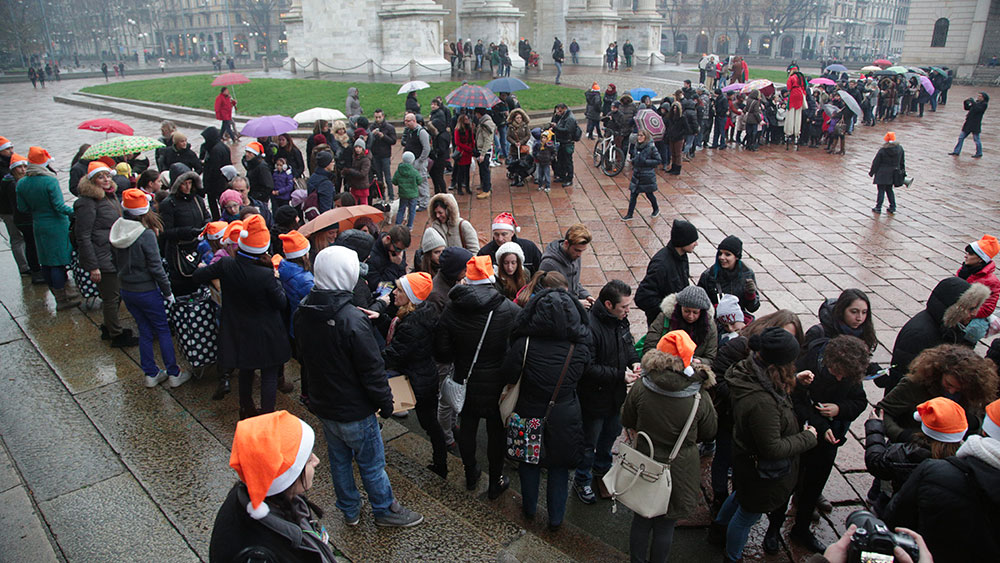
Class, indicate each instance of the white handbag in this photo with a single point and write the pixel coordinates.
(453, 392)
(640, 482)
(508, 399)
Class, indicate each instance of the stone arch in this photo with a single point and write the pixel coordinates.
(787, 47)
(764, 46)
(681, 43)
(701, 44)
(940, 36)
(722, 44)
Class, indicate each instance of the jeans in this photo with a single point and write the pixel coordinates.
(427, 409)
(479, 62)
(599, 434)
(544, 176)
(556, 490)
(151, 318)
(664, 149)
(719, 137)
(382, 168)
(575, 57)
(886, 190)
(504, 144)
(484, 173)
(961, 141)
(495, 445)
(662, 529)
(227, 126)
(268, 388)
(55, 276)
(424, 189)
(593, 125)
(689, 142)
(738, 522)
(406, 205)
(360, 441)
(721, 462)
(934, 101)
(558, 71)
(628, 61)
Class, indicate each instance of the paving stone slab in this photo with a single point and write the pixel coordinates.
(22, 534)
(8, 474)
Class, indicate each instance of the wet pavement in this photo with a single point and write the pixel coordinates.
(94, 467)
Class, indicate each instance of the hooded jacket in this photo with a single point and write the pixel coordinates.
(297, 283)
(217, 156)
(356, 175)
(666, 273)
(455, 231)
(593, 111)
(887, 160)
(411, 350)
(888, 461)
(936, 324)
(457, 336)
(555, 259)
(716, 281)
(186, 157)
(485, 131)
(602, 389)
(954, 503)
(352, 105)
(548, 325)
(96, 211)
(647, 158)
(39, 195)
(670, 318)
(565, 127)
(321, 181)
(259, 176)
(183, 215)
(764, 428)
(986, 276)
(519, 134)
(137, 257)
(659, 405)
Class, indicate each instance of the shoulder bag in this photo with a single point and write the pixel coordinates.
(453, 392)
(639, 481)
(525, 435)
(508, 399)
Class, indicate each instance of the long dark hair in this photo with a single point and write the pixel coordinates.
(541, 280)
(79, 153)
(510, 285)
(847, 297)
(464, 123)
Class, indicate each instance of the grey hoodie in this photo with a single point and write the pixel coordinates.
(353, 103)
(137, 257)
(554, 259)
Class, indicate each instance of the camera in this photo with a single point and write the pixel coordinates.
(873, 541)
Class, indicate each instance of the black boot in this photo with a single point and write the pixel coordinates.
(497, 488)
(805, 538)
(472, 478)
(124, 340)
(223, 389)
(772, 539)
(716, 534)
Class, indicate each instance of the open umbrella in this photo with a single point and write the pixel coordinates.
(652, 123)
(927, 84)
(871, 68)
(897, 69)
(638, 93)
(836, 68)
(105, 125)
(830, 109)
(344, 217)
(852, 104)
(120, 146)
(413, 86)
(507, 84)
(471, 96)
(319, 114)
(822, 82)
(733, 87)
(269, 126)
(885, 72)
(884, 63)
(917, 70)
(229, 79)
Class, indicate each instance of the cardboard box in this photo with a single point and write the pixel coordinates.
(402, 394)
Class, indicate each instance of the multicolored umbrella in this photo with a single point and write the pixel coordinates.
(413, 86)
(652, 123)
(836, 68)
(119, 146)
(269, 126)
(507, 84)
(822, 82)
(229, 79)
(883, 63)
(105, 125)
(927, 84)
(471, 96)
(343, 217)
(319, 114)
(757, 84)
(733, 87)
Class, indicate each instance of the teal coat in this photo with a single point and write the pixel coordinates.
(38, 193)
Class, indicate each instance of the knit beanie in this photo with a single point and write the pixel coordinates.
(336, 267)
(509, 248)
(986, 248)
(694, 297)
(991, 423)
(942, 419)
(452, 262)
(733, 244)
(230, 196)
(682, 233)
(431, 240)
(776, 346)
(728, 310)
(358, 241)
(408, 157)
(229, 171)
(323, 159)
(360, 143)
(417, 286)
(285, 215)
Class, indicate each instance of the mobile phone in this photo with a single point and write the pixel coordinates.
(384, 288)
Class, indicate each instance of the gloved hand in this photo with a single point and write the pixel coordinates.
(385, 411)
(976, 330)
(170, 299)
(750, 287)
(195, 232)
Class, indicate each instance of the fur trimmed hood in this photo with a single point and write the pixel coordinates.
(521, 112)
(195, 183)
(666, 374)
(87, 188)
(451, 205)
(669, 303)
(953, 297)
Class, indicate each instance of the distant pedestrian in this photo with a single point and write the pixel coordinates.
(558, 57)
(973, 123)
(224, 106)
(104, 69)
(647, 158)
(574, 52)
(888, 170)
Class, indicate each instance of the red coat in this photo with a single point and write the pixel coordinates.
(465, 144)
(224, 107)
(796, 91)
(988, 277)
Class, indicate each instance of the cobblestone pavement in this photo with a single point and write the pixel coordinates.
(79, 432)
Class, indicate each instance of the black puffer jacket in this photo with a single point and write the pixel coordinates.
(825, 388)
(411, 350)
(217, 155)
(457, 336)
(340, 350)
(937, 324)
(96, 211)
(259, 176)
(954, 503)
(887, 160)
(593, 111)
(667, 272)
(184, 216)
(732, 352)
(186, 157)
(888, 461)
(716, 280)
(552, 320)
(602, 390)
(647, 158)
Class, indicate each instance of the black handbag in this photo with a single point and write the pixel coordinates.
(898, 178)
(185, 262)
(455, 155)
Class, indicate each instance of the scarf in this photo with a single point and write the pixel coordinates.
(982, 448)
(966, 270)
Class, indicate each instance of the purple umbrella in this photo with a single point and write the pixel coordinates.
(269, 126)
(927, 84)
(733, 87)
(471, 96)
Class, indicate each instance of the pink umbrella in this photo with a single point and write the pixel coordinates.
(105, 125)
(927, 84)
(822, 82)
(229, 79)
(733, 87)
(652, 123)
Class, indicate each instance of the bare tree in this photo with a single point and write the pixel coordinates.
(784, 15)
(21, 29)
(260, 16)
(678, 13)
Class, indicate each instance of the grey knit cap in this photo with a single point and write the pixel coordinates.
(693, 297)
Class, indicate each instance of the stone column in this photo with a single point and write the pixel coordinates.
(493, 21)
(643, 28)
(412, 30)
(594, 27)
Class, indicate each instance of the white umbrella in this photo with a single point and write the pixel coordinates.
(413, 86)
(316, 114)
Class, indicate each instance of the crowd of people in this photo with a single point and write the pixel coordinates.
(770, 402)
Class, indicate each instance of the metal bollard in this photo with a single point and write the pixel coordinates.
(291, 64)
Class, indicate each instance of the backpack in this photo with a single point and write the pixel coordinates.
(310, 206)
(577, 133)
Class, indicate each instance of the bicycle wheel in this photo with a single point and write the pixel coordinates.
(614, 160)
(598, 152)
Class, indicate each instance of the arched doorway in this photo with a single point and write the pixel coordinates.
(722, 45)
(787, 46)
(701, 44)
(681, 43)
(765, 45)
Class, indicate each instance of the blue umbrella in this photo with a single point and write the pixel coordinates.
(638, 93)
(507, 84)
(269, 126)
(836, 68)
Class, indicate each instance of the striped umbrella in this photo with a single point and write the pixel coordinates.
(471, 96)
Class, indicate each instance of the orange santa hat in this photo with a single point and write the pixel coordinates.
(678, 343)
(255, 238)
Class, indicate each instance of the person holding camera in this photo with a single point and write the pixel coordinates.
(973, 123)
(888, 170)
(903, 546)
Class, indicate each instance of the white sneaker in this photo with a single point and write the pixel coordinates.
(179, 379)
(154, 381)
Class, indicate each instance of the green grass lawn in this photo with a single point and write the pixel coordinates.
(269, 96)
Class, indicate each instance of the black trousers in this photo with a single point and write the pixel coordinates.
(426, 409)
(495, 445)
(268, 388)
(563, 169)
(814, 470)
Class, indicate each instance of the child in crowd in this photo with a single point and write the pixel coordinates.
(230, 201)
(407, 179)
(211, 241)
(284, 183)
(544, 153)
(730, 318)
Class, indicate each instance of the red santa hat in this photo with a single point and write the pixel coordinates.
(505, 222)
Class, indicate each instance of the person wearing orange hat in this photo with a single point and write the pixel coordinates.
(593, 110)
(295, 271)
(478, 318)
(145, 286)
(409, 350)
(259, 176)
(888, 170)
(22, 243)
(252, 335)
(6, 151)
(39, 194)
(979, 267)
(660, 405)
(266, 510)
(211, 239)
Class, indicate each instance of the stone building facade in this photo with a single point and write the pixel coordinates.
(956, 33)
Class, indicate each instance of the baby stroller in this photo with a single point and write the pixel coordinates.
(521, 167)
(533, 59)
